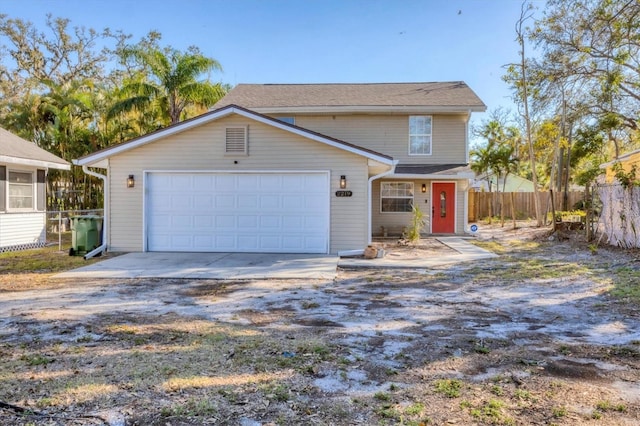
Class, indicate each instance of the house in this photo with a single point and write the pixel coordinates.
(514, 183)
(296, 168)
(23, 202)
(626, 162)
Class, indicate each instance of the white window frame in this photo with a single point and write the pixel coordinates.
(33, 186)
(396, 196)
(245, 151)
(427, 136)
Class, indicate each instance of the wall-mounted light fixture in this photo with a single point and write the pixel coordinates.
(424, 188)
(343, 182)
(131, 182)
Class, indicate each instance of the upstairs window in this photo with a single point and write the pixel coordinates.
(420, 135)
(396, 197)
(236, 140)
(288, 120)
(20, 190)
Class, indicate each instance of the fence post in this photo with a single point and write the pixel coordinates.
(59, 230)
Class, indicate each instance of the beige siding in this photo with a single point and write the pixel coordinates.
(389, 134)
(394, 223)
(202, 148)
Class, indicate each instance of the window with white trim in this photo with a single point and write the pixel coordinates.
(236, 140)
(396, 197)
(20, 190)
(420, 135)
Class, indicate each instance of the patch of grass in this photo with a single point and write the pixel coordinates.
(564, 350)
(523, 395)
(559, 412)
(481, 349)
(36, 359)
(276, 392)
(42, 260)
(626, 284)
(192, 407)
(388, 411)
(414, 409)
(492, 412)
(608, 406)
(310, 305)
(382, 396)
(497, 390)
(449, 387)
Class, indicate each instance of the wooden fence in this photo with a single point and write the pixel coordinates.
(480, 203)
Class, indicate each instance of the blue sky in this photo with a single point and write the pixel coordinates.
(319, 41)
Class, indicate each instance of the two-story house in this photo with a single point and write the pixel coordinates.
(293, 168)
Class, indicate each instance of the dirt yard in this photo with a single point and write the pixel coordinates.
(547, 333)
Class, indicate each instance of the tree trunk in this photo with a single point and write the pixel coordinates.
(527, 118)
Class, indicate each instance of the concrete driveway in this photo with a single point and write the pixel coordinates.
(261, 265)
(211, 266)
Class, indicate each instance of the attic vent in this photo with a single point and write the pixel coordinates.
(236, 141)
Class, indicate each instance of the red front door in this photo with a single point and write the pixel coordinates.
(443, 208)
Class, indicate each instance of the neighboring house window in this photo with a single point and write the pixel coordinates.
(396, 196)
(288, 120)
(236, 140)
(420, 135)
(20, 190)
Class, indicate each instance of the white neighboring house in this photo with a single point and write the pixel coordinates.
(23, 202)
(514, 183)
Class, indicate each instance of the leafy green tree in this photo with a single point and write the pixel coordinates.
(168, 81)
(497, 157)
(591, 48)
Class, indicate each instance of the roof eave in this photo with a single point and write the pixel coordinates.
(371, 109)
(35, 163)
(461, 175)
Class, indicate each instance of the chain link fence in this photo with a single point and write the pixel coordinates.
(59, 224)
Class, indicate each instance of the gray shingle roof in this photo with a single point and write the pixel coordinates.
(21, 150)
(429, 169)
(437, 94)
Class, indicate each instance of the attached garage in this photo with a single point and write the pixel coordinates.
(267, 212)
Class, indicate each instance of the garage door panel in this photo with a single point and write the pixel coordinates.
(181, 183)
(203, 221)
(294, 223)
(270, 222)
(203, 242)
(203, 202)
(225, 201)
(242, 212)
(271, 201)
(247, 201)
(270, 182)
(225, 183)
(247, 181)
(202, 182)
(245, 221)
(250, 242)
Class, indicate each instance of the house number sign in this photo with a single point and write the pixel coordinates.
(344, 193)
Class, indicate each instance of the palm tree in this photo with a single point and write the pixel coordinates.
(168, 82)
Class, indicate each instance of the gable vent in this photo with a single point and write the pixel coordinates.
(236, 140)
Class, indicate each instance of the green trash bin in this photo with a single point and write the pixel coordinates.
(86, 234)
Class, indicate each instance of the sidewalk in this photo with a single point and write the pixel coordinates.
(467, 252)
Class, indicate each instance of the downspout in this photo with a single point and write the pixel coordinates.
(370, 190)
(103, 247)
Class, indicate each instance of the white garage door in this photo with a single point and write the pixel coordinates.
(237, 212)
